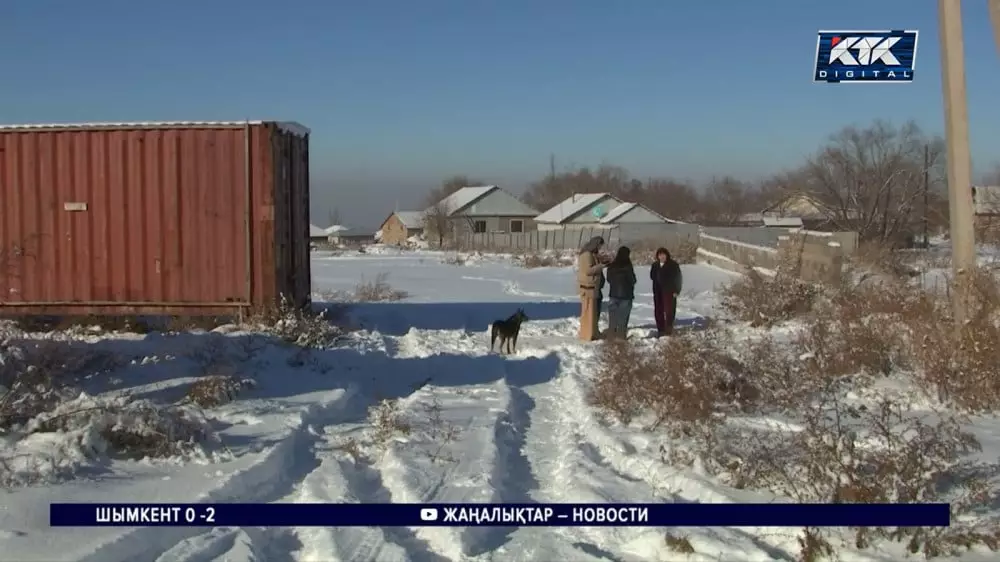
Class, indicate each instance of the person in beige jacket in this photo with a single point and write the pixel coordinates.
(589, 277)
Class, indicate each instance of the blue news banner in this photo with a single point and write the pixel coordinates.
(498, 515)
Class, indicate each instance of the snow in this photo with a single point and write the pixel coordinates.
(288, 126)
(335, 229)
(484, 428)
(411, 219)
(464, 197)
(571, 206)
(620, 211)
(316, 232)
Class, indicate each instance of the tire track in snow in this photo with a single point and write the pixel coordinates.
(563, 462)
(622, 459)
(341, 479)
(271, 478)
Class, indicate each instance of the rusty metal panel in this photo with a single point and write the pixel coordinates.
(302, 262)
(151, 218)
(122, 219)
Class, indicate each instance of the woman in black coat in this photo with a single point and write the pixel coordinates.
(667, 281)
(621, 278)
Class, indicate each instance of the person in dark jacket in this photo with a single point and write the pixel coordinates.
(621, 278)
(667, 281)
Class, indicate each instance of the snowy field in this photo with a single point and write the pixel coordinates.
(480, 428)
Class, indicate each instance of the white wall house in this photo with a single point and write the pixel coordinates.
(486, 208)
(580, 210)
(634, 213)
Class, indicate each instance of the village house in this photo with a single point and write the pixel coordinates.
(400, 226)
(479, 210)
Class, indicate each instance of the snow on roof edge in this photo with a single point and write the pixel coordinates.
(578, 202)
(288, 126)
(618, 212)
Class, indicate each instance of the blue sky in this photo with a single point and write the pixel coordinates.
(400, 94)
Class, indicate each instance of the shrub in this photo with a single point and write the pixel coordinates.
(378, 290)
(385, 420)
(38, 374)
(850, 453)
(547, 259)
(304, 327)
(644, 251)
(688, 378)
(962, 366)
(765, 301)
(216, 390)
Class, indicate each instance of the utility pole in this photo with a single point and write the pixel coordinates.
(959, 160)
(994, 7)
(927, 189)
(552, 166)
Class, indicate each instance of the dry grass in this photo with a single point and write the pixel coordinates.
(305, 328)
(455, 259)
(644, 251)
(765, 301)
(215, 390)
(545, 259)
(680, 545)
(963, 367)
(378, 290)
(859, 442)
(884, 259)
(686, 378)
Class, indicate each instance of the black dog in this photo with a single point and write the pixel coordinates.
(507, 330)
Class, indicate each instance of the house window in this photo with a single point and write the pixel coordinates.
(479, 227)
(516, 225)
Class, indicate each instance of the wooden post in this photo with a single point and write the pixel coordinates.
(959, 160)
(994, 7)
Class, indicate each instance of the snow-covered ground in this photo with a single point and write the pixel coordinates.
(482, 428)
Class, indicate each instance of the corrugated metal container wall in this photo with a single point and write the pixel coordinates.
(172, 218)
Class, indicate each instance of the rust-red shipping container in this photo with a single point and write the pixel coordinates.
(153, 218)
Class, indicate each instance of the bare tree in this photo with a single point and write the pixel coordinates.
(553, 189)
(671, 198)
(726, 200)
(449, 186)
(872, 180)
(333, 216)
(438, 222)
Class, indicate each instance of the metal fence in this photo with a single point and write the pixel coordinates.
(668, 235)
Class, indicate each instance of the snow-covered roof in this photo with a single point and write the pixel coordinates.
(572, 206)
(790, 222)
(287, 126)
(619, 211)
(464, 197)
(316, 232)
(335, 229)
(411, 219)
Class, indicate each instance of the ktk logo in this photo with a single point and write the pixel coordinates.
(870, 50)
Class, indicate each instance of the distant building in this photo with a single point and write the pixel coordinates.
(480, 210)
(400, 226)
(795, 211)
(580, 210)
(634, 213)
(317, 234)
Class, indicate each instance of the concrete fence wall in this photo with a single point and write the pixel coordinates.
(809, 255)
(668, 235)
(816, 257)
